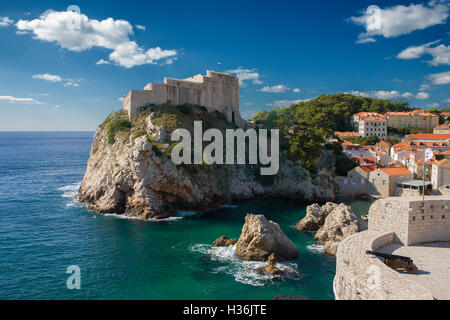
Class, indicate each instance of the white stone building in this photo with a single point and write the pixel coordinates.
(370, 126)
(440, 173)
(216, 92)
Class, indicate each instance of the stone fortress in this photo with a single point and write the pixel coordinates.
(406, 226)
(216, 91)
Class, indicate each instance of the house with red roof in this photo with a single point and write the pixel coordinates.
(428, 137)
(347, 135)
(384, 180)
(442, 129)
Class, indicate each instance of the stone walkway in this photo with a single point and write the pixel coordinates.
(433, 263)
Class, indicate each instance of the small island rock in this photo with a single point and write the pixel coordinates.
(223, 241)
(315, 216)
(270, 267)
(338, 225)
(260, 238)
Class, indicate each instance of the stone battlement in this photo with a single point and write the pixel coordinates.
(216, 91)
(405, 222)
(411, 221)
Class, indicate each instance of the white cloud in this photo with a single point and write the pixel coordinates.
(440, 54)
(5, 21)
(447, 101)
(48, 77)
(102, 61)
(72, 83)
(397, 80)
(55, 78)
(138, 26)
(56, 106)
(399, 20)
(433, 105)
(129, 54)
(249, 114)
(285, 103)
(248, 104)
(10, 99)
(381, 94)
(275, 89)
(424, 87)
(246, 75)
(297, 90)
(58, 27)
(423, 95)
(439, 78)
(120, 99)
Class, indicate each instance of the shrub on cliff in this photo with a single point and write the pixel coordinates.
(116, 126)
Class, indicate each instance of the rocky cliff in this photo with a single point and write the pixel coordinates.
(130, 171)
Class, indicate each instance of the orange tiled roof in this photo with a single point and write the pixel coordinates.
(428, 162)
(370, 168)
(404, 113)
(364, 160)
(383, 143)
(396, 171)
(347, 143)
(368, 114)
(445, 113)
(443, 126)
(396, 163)
(445, 163)
(428, 136)
(377, 119)
(347, 134)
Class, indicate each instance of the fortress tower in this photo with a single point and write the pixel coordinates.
(216, 91)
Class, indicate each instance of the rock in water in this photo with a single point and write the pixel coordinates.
(339, 224)
(223, 241)
(270, 267)
(315, 216)
(130, 170)
(260, 238)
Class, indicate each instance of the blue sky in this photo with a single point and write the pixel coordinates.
(60, 73)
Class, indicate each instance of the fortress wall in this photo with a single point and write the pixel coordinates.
(216, 92)
(411, 223)
(364, 277)
(431, 224)
(136, 99)
(387, 215)
(402, 220)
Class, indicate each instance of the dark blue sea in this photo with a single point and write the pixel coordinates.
(43, 230)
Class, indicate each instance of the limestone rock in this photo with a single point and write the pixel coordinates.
(142, 144)
(338, 225)
(133, 179)
(223, 241)
(270, 267)
(261, 238)
(315, 216)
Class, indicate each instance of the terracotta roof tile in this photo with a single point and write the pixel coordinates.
(428, 136)
(445, 163)
(396, 171)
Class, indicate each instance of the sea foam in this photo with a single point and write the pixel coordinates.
(244, 271)
(316, 248)
(70, 192)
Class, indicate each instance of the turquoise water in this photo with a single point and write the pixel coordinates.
(43, 231)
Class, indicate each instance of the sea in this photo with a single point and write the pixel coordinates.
(44, 231)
